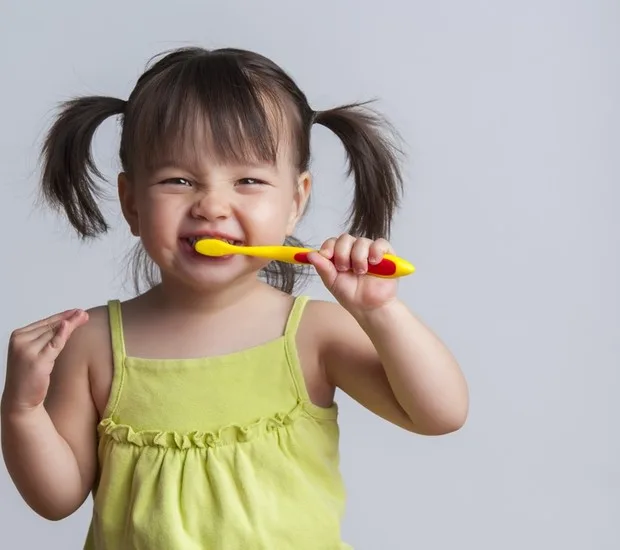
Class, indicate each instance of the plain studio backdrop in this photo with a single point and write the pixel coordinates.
(510, 114)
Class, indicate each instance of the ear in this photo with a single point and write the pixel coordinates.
(126, 195)
(300, 199)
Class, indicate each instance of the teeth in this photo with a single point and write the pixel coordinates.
(194, 240)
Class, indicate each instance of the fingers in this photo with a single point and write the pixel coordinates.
(54, 334)
(52, 340)
(378, 249)
(342, 252)
(324, 267)
(327, 248)
(39, 331)
(360, 255)
(44, 324)
(351, 253)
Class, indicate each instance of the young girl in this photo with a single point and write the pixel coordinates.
(200, 413)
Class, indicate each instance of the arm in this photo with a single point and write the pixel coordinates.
(50, 449)
(392, 364)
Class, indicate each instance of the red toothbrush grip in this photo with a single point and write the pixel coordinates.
(385, 267)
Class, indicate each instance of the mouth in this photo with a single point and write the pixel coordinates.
(193, 239)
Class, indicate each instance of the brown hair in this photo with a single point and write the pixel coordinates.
(236, 93)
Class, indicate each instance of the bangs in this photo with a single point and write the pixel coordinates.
(205, 105)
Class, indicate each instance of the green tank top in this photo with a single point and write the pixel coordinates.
(218, 453)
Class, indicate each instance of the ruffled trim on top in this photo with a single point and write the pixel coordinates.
(123, 433)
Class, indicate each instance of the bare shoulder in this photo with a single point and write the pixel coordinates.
(337, 341)
(334, 328)
(321, 315)
(313, 338)
(348, 360)
(317, 324)
(90, 346)
(98, 322)
(94, 331)
(89, 340)
(77, 353)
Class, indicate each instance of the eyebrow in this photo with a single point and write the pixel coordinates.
(171, 163)
(194, 168)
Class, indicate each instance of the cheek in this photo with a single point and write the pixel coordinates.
(272, 213)
(160, 217)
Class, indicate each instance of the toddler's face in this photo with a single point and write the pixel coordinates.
(250, 204)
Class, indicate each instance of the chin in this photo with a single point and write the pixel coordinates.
(217, 275)
(202, 273)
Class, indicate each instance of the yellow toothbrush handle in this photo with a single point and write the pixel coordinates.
(389, 267)
(288, 254)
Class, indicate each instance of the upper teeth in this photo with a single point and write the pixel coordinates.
(193, 240)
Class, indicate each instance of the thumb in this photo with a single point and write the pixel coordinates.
(324, 267)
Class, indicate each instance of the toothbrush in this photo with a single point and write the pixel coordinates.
(389, 267)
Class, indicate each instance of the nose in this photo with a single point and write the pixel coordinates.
(211, 205)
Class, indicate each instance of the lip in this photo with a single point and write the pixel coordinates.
(197, 235)
(189, 250)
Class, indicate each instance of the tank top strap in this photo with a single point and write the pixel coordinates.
(294, 316)
(290, 344)
(118, 355)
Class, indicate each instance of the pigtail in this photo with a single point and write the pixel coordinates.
(373, 162)
(68, 178)
(284, 276)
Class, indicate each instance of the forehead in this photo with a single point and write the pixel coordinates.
(198, 149)
(192, 119)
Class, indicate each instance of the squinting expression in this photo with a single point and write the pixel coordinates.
(250, 205)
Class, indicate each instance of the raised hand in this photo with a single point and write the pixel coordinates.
(33, 349)
(342, 263)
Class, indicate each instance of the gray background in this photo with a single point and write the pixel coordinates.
(510, 112)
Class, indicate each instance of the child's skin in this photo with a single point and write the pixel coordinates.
(368, 343)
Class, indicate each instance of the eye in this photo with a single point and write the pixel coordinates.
(177, 181)
(251, 181)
